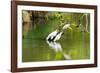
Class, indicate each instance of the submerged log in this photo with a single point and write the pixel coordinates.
(85, 22)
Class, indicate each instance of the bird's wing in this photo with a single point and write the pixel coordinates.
(58, 36)
(52, 34)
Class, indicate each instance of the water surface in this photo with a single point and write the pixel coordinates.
(73, 45)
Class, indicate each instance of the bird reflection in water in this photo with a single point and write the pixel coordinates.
(58, 48)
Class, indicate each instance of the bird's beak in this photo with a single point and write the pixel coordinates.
(70, 28)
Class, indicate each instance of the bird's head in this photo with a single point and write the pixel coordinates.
(66, 26)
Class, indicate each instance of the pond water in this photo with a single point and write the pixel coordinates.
(73, 45)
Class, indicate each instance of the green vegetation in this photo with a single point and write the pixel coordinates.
(75, 43)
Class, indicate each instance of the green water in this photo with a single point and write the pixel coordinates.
(74, 44)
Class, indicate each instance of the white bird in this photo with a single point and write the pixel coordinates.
(56, 35)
